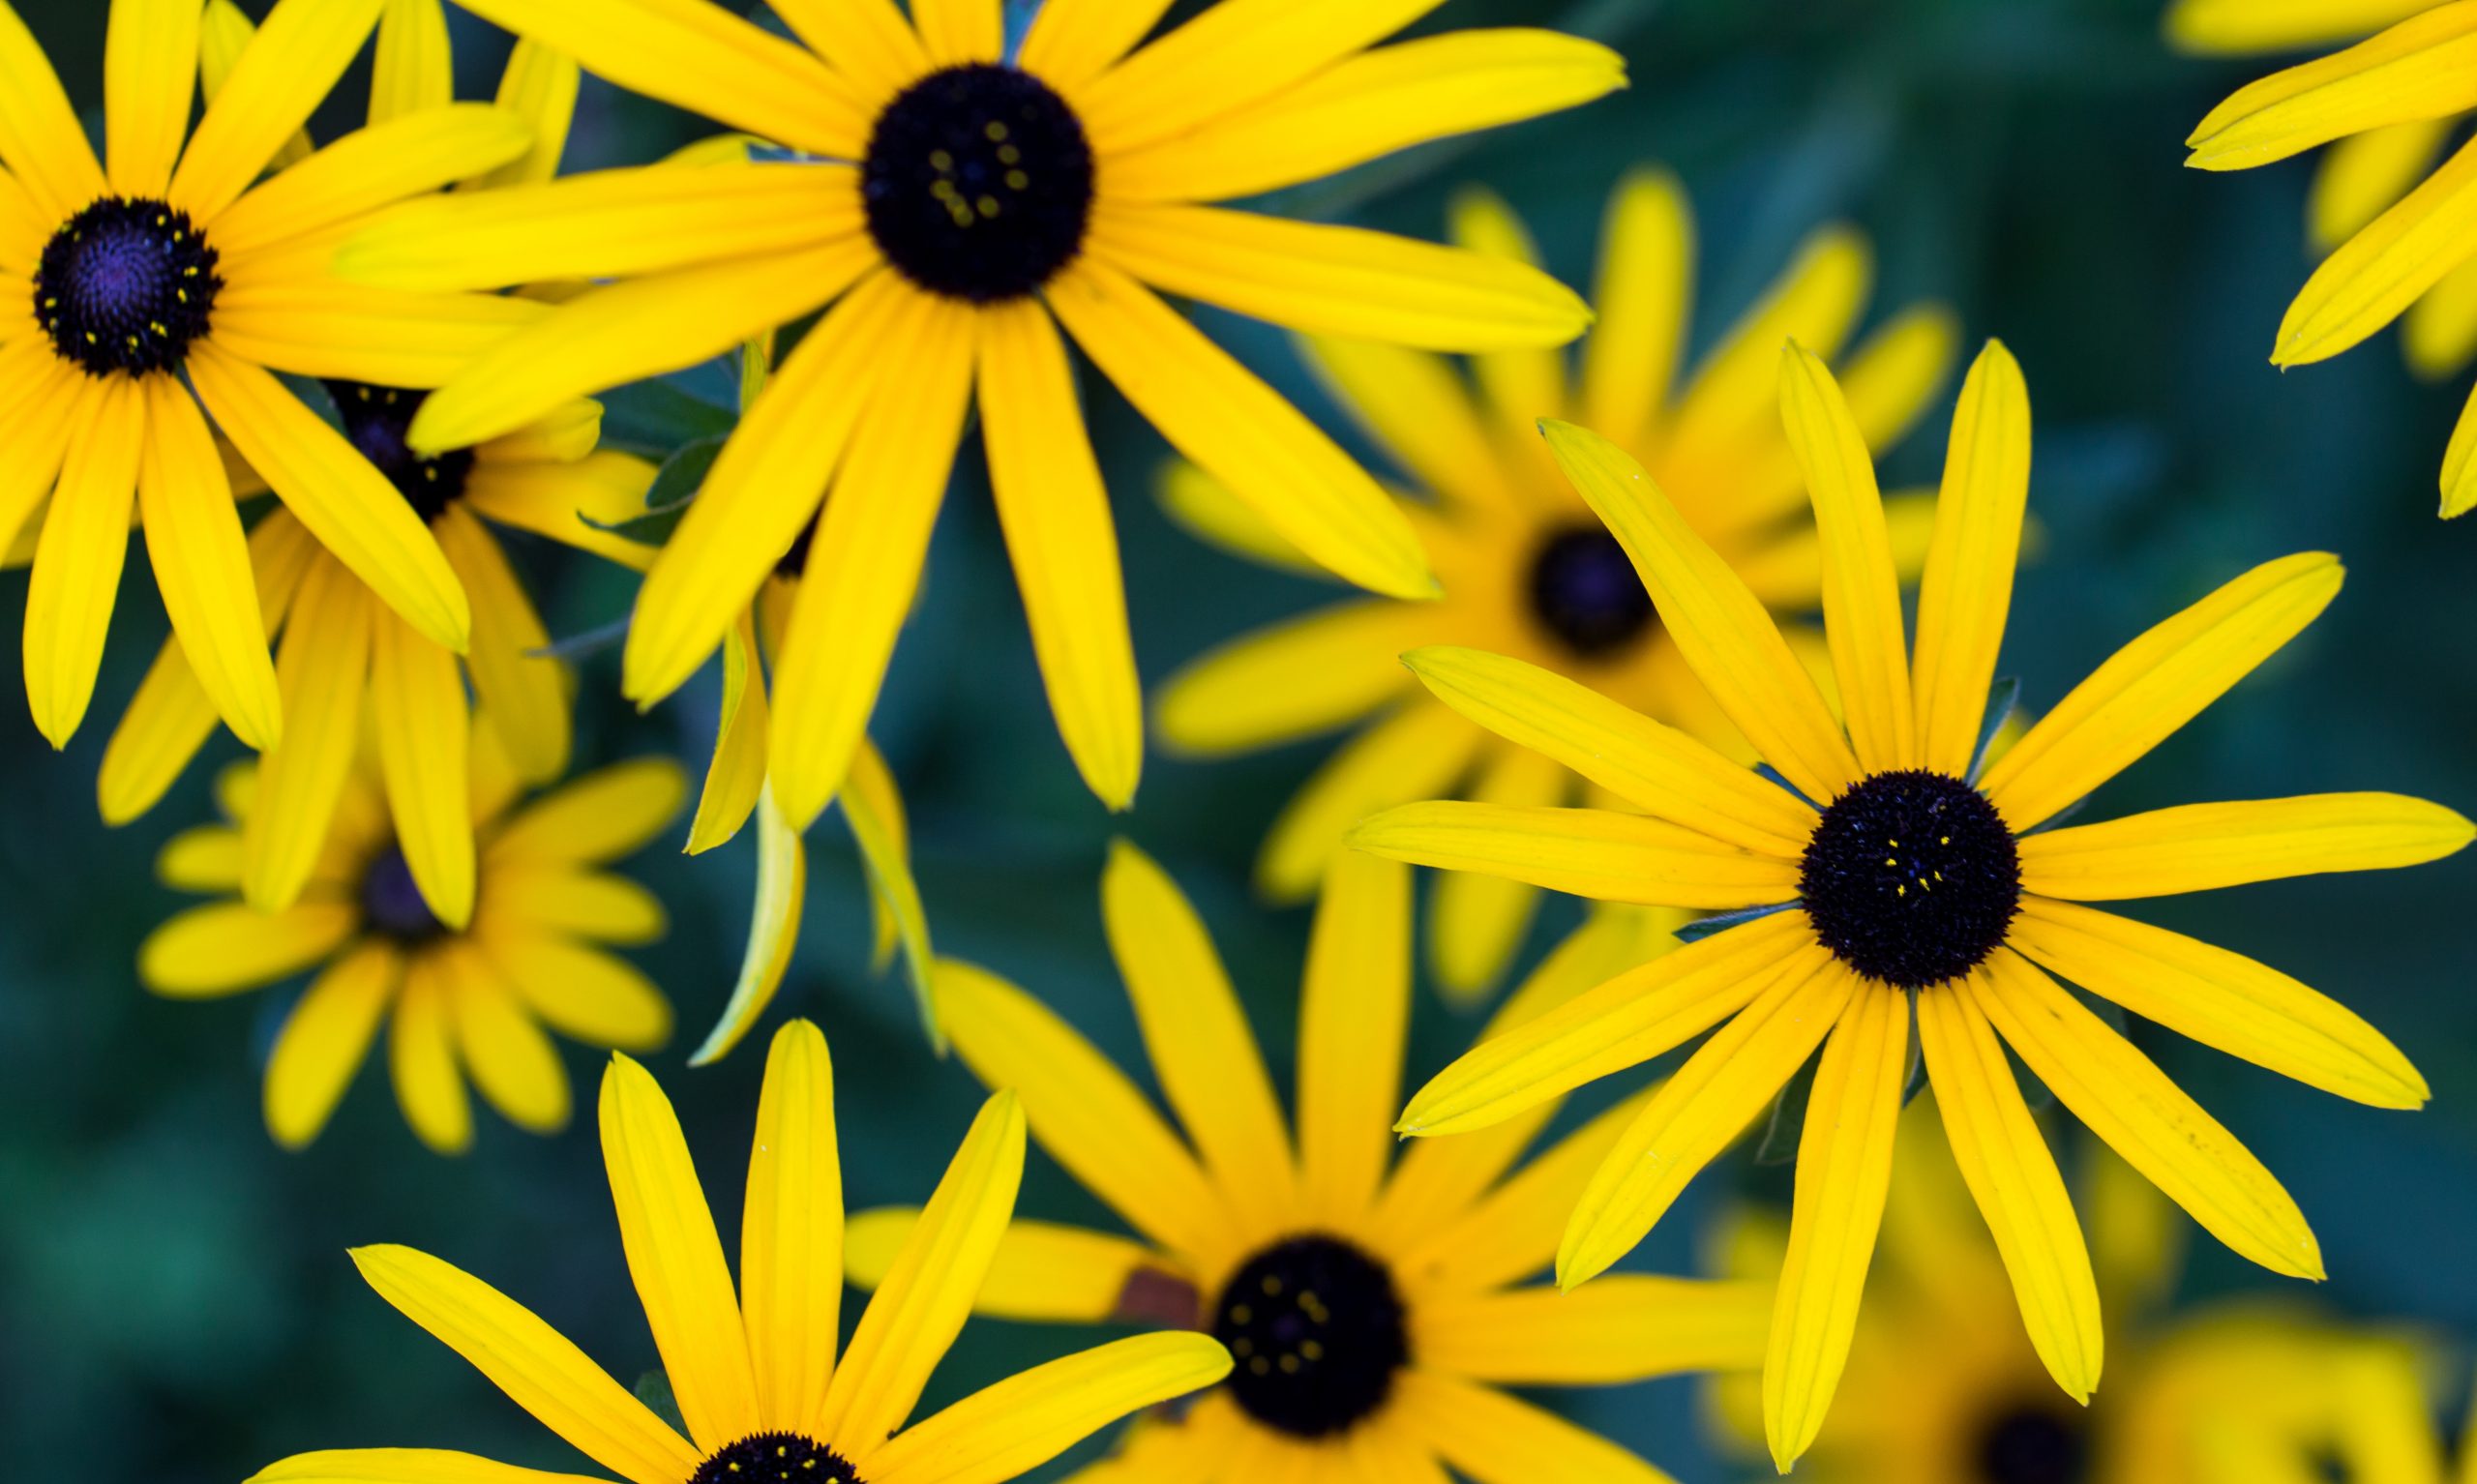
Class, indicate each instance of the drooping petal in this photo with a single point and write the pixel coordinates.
(790, 1240)
(1596, 854)
(418, 714)
(773, 930)
(202, 565)
(1966, 594)
(737, 776)
(1020, 1423)
(281, 78)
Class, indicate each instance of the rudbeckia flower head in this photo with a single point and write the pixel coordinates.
(950, 201)
(753, 1367)
(1375, 1309)
(1527, 569)
(1898, 881)
(459, 1002)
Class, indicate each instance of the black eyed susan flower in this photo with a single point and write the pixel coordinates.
(342, 653)
(959, 202)
(1373, 1312)
(2394, 220)
(163, 262)
(456, 1003)
(1922, 889)
(759, 1386)
(1526, 569)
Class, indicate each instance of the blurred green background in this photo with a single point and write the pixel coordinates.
(175, 1304)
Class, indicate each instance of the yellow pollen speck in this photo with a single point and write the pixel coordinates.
(1903, 891)
(940, 161)
(1947, 840)
(1008, 153)
(995, 132)
(1891, 860)
(988, 205)
(90, 337)
(1016, 179)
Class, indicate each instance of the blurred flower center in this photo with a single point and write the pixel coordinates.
(775, 1457)
(978, 182)
(1316, 1331)
(793, 563)
(392, 902)
(126, 286)
(376, 419)
(1584, 591)
(1911, 878)
(2033, 1445)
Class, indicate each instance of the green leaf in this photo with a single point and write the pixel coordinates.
(654, 416)
(653, 1388)
(682, 475)
(1779, 1146)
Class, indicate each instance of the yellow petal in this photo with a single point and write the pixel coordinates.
(592, 905)
(540, 86)
(2219, 999)
(1055, 513)
(348, 505)
(1644, 294)
(1290, 680)
(864, 562)
(2205, 846)
(522, 690)
(2440, 335)
(1966, 595)
(1071, 41)
(40, 140)
(2127, 1101)
(773, 930)
(417, 711)
(1844, 1172)
(320, 671)
(2377, 274)
(765, 488)
(512, 1060)
(2276, 25)
(2155, 684)
(917, 1314)
(1019, 1424)
(1512, 1233)
(1369, 106)
(1659, 768)
(79, 557)
(275, 85)
(2012, 1178)
(1212, 515)
(1476, 922)
(868, 41)
(206, 858)
(2460, 466)
(224, 32)
(1419, 750)
(330, 329)
(1042, 1271)
(601, 816)
(1202, 1051)
(1734, 395)
(1625, 1327)
(366, 170)
(675, 1258)
(415, 71)
(790, 1241)
(401, 1465)
(536, 1366)
(705, 60)
(1721, 629)
(581, 993)
(2420, 69)
(1354, 1011)
(955, 32)
(2366, 174)
(150, 73)
(1521, 384)
(874, 810)
(1241, 431)
(1697, 1113)
(202, 564)
(229, 946)
(1494, 1438)
(421, 1061)
(1628, 1019)
(1587, 852)
(737, 776)
(1420, 410)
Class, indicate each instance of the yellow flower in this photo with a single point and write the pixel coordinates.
(2395, 222)
(474, 998)
(2364, 1413)
(1373, 1313)
(1921, 890)
(1526, 571)
(953, 203)
(172, 261)
(758, 1386)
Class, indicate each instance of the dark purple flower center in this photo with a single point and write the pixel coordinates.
(775, 1457)
(392, 902)
(376, 419)
(1316, 1331)
(1585, 592)
(1912, 878)
(126, 286)
(978, 182)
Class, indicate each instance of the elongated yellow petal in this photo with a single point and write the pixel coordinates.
(224, 32)
(675, 1258)
(917, 1314)
(415, 71)
(275, 85)
(320, 673)
(418, 713)
(2128, 1102)
(1055, 513)
(956, 31)
(509, 1056)
(2363, 175)
(1020, 1423)
(227, 946)
(2012, 1178)
(1476, 922)
(421, 1060)
(2219, 999)
(1588, 852)
(2238, 26)
(1082, 1110)
(1417, 752)
(40, 140)
(348, 505)
(537, 1367)
(524, 691)
(150, 73)
(540, 86)
(864, 562)
(1494, 1438)
(1354, 1011)
(557, 898)
(325, 1040)
(1861, 587)
(1520, 384)
(1721, 629)
(1367, 106)
(582, 992)
(874, 810)
(2425, 67)
(607, 814)
(1194, 1030)
(1966, 595)
(366, 170)
(773, 930)
(1241, 432)
(2158, 683)
(349, 332)
(1734, 395)
(2377, 274)
(702, 58)
(2205, 846)
(737, 776)
(609, 224)
(1042, 1272)
(1419, 410)
(1625, 1327)
(1644, 295)
(2440, 335)
(1661, 770)
(1630, 1019)
(1291, 680)
(202, 564)
(401, 1465)
(80, 555)
(1697, 1113)
(868, 41)
(763, 488)
(791, 1238)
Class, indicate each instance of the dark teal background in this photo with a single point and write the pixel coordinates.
(175, 1304)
